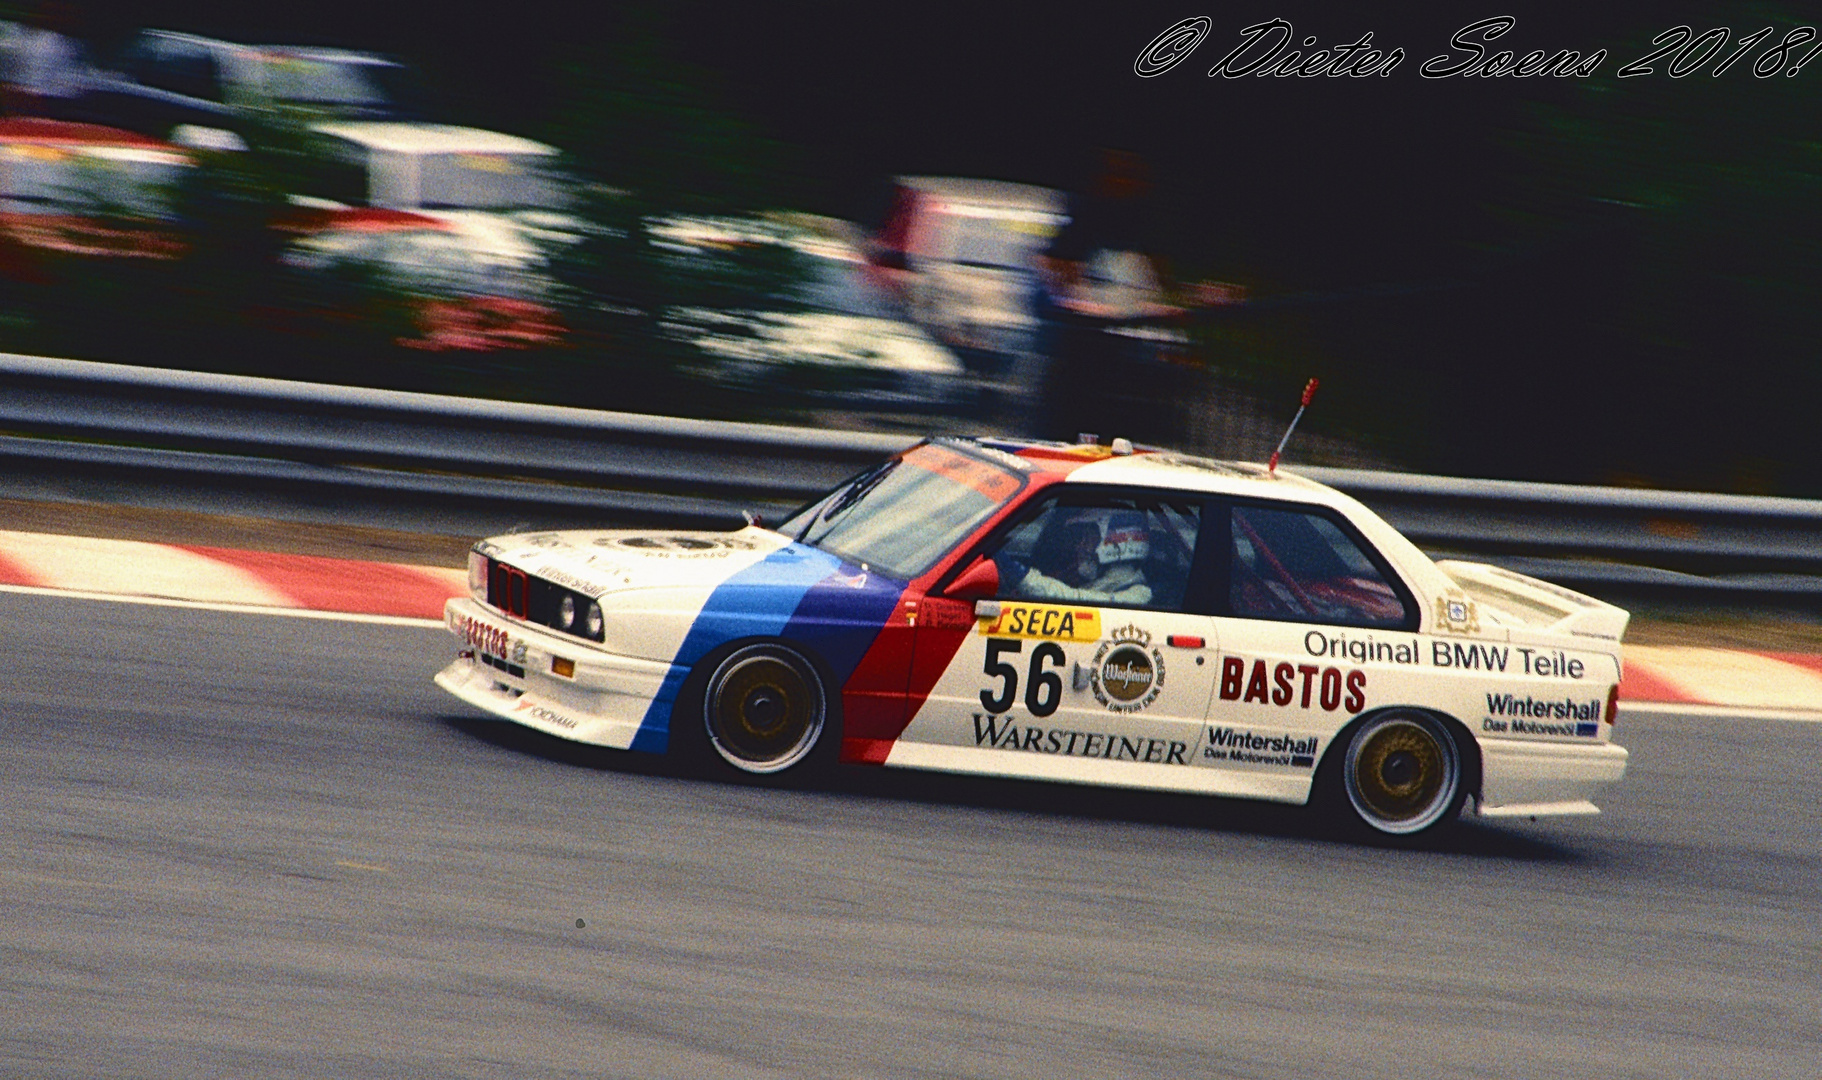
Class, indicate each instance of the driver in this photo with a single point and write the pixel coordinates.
(1096, 556)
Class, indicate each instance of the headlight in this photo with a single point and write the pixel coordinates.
(566, 613)
(592, 628)
(477, 575)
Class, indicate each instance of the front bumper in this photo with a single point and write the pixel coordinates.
(1535, 779)
(510, 670)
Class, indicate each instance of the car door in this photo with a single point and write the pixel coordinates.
(1315, 628)
(1098, 671)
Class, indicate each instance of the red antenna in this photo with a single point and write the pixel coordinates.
(1308, 393)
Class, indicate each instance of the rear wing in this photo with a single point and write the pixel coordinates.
(1535, 603)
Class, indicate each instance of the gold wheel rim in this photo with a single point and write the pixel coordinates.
(1400, 773)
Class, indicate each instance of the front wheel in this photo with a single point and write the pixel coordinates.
(764, 709)
(1402, 774)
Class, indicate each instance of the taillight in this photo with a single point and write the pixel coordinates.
(1613, 703)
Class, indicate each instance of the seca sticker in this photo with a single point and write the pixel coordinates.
(1044, 621)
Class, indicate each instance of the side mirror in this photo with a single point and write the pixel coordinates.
(981, 581)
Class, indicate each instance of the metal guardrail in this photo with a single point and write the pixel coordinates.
(331, 442)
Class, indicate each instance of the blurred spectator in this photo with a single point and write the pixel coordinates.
(47, 65)
(1100, 279)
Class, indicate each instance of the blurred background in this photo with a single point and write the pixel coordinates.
(828, 213)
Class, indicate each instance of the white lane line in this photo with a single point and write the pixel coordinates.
(238, 609)
(1734, 679)
(134, 566)
(1718, 712)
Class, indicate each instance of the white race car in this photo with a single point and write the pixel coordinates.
(1077, 613)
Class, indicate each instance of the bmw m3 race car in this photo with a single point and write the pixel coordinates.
(1086, 614)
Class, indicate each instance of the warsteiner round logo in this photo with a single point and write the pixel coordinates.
(1127, 673)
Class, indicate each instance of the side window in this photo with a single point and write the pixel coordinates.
(1109, 550)
(1299, 566)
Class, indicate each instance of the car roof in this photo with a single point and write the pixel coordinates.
(406, 137)
(1152, 467)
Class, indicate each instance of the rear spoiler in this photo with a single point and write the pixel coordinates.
(1537, 603)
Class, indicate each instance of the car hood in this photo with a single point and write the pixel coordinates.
(599, 563)
(656, 588)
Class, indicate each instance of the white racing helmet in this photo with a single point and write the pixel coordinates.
(1124, 538)
(1118, 536)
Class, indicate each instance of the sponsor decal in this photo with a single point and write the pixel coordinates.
(544, 713)
(570, 581)
(1361, 650)
(1470, 656)
(1551, 663)
(488, 639)
(849, 581)
(542, 540)
(941, 614)
(987, 479)
(1457, 615)
(1516, 714)
(1044, 621)
(1285, 684)
(1127, 673)
(1004, 733)
(1250, 748)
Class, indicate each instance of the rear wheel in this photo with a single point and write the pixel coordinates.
(764, 709)
(1402, 774)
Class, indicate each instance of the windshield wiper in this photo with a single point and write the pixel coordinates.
(850, 495)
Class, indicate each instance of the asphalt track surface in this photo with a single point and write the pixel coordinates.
(245, 845)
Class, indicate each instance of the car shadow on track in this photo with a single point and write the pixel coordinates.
(1469, 837)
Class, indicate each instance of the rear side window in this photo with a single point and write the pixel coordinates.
(1297, 565)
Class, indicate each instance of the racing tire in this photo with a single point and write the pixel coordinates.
(764, 710)
(1401, 775)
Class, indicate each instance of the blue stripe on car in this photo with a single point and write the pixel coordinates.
(796, 592)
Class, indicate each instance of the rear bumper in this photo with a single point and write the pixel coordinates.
(1534, 779)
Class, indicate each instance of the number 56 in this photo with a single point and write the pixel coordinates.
(1043, 687)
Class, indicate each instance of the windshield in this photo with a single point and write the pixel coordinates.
(900, 517)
